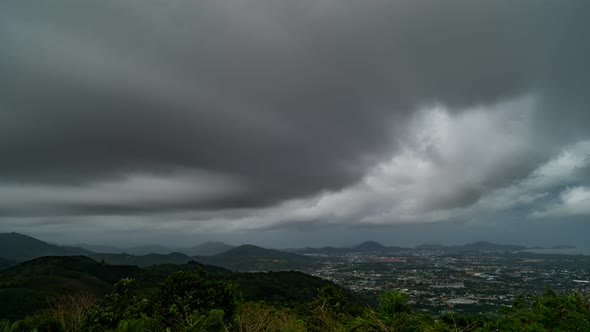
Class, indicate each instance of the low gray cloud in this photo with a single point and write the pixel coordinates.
(114, 107)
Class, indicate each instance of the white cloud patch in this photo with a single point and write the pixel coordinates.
(574, 201)
(568, 168)
(453, 167)
(448, 164)
(443, 171)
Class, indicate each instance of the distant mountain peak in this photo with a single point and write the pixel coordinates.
(370, 246)
(208, 248)
(20, 247)
(247, 248)
(18, 235)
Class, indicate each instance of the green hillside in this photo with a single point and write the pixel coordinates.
(27, 287)
(283, 287)
(68, 266)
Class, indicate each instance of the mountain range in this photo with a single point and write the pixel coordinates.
(16, 247)
(204, 249)
(19, 247)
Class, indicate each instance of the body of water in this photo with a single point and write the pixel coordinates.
(572, 251)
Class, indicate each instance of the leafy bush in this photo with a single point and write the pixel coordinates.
(184, 296)
(192, 302)
(328, 310)
(549, 312)
(123, 303)
(261, 317)
(393, 314)
(139, 325)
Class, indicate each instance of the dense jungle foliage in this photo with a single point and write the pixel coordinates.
(195, 301)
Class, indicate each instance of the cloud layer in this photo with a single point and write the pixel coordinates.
(230, 115)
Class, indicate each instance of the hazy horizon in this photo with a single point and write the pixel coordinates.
(295, 123)
(314, 243)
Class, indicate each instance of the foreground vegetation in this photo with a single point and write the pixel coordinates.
(195, 301)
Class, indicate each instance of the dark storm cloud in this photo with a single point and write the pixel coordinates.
(288, 98)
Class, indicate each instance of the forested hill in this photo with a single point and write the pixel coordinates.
(26, 287)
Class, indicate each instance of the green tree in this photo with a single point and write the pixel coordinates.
(185, 296)
(392, 303)
(124, 302)
(139, 325)
(393, 314)
(211, 322)
(328, 310)
(548, 312)
(261, 317)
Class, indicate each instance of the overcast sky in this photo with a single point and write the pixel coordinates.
(290, 123)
